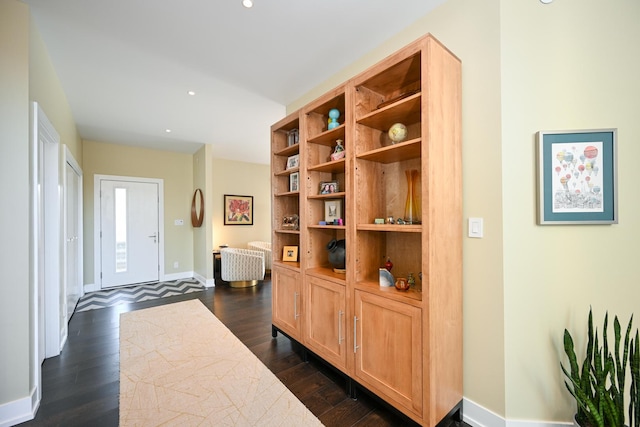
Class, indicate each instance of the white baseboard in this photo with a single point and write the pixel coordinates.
(91, 287)
(177, 276)
(207, 283)
(478, 416)
(19, 411)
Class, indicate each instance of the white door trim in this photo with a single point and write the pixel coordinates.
(44, 249)
(96, 221)
(71, 161)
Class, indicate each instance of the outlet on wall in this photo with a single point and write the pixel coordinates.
(176, 264)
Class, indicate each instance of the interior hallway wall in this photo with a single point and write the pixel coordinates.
(15, 288)
(572, 64)
(241, 179)
(176, 169)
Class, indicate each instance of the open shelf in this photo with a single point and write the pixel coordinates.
(288, 151)
(328, 137)
(326, 273)
(402, 151)
(404, 111)
(335, 166)
(411, 296)
(395, 228)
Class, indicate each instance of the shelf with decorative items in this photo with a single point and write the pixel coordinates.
(388, 165)
(326, 138)
(376, 155)
(286, 188)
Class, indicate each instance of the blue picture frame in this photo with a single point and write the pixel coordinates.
(577, 177)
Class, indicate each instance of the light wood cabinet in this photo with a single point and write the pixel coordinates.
(287, 301)
(326, 320)
(388, 349)
(406, 347)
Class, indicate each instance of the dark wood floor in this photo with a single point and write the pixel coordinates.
(81, 386)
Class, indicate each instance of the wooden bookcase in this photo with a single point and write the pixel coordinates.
(404, 346)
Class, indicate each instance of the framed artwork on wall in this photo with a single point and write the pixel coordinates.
(577, 177)
(238, 210)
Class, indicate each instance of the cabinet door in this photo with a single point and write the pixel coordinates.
(388, 347)
(286, 301)
(325, 320)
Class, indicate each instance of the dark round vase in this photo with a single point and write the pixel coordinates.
(337, 253)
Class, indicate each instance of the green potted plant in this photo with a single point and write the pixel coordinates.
(598, 385)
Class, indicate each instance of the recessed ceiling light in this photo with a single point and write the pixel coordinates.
(191, 93)
(546, 1)
(247, 3)
(167, 130)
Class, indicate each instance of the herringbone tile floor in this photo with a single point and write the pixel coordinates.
(138, 293)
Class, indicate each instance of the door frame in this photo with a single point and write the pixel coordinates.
(71, 161)
(44, 246)
(97, 259)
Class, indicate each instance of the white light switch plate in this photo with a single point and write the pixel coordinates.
(179, 222)
(476, 227)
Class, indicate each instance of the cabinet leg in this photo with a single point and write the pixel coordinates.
(457, 416)
(352, 390)
(274, 331)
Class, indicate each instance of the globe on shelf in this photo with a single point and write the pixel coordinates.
(397, 132)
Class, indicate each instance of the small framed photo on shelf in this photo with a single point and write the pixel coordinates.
(293, 161)
(333, 212)
(577, 181)
(293, 137)
(329, 187)
(294, 182)
(290, 253)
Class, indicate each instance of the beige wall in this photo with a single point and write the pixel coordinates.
(528, 67)
(243, 179)
(15, 306)
(176, 171)
(202, 236)
(573, 64)
(45, 88)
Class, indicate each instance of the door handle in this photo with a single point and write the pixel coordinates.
(355, 334)
(154, 237)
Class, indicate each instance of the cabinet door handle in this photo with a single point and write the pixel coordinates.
(295, 305)
(340, 337)
(355, 334)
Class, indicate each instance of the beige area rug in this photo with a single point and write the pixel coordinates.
(180, 366)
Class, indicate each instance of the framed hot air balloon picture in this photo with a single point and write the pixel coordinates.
(577, 180)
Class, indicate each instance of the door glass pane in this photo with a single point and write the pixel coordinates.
(121, 229)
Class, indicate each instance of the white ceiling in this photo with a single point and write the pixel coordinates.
(126, 65)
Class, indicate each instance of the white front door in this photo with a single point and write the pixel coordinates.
(129, 232)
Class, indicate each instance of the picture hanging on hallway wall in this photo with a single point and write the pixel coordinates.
(238, 210)
(577, 182)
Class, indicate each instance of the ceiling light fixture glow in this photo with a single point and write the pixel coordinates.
(546, 1)
(192, 93)
(247, 3)
(167, 130)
